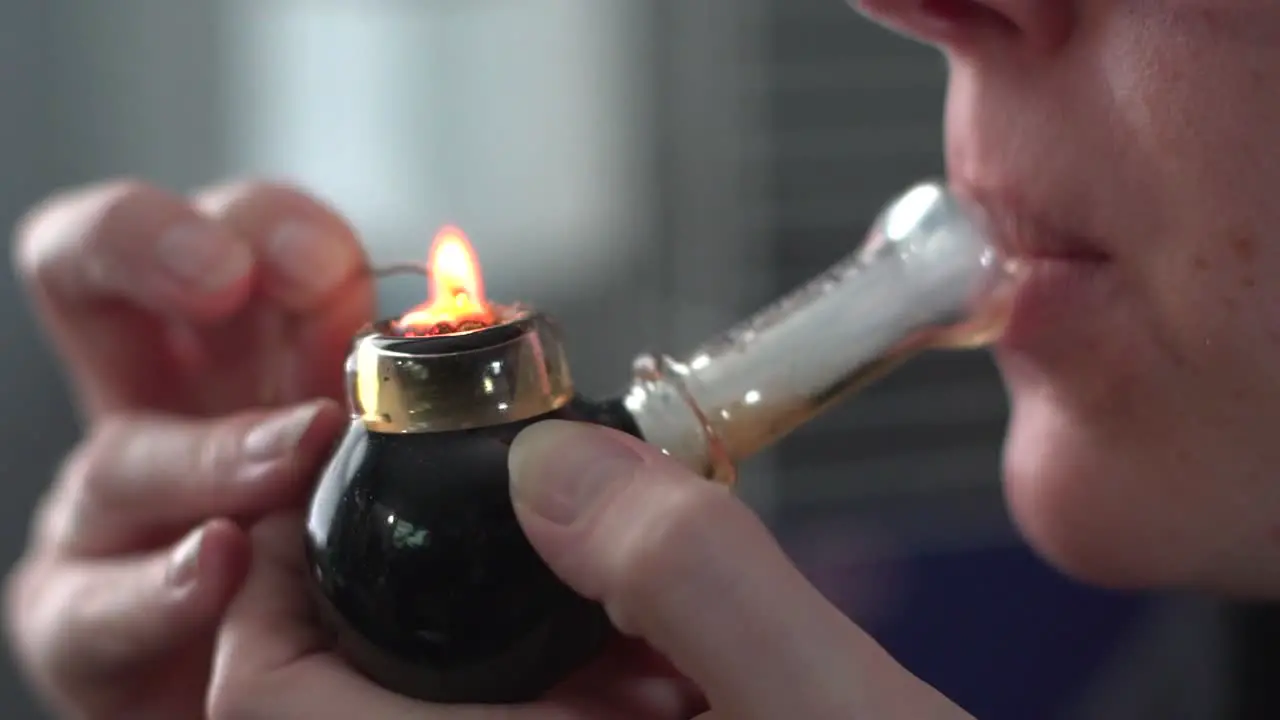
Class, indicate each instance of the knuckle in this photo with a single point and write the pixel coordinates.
(26, 234)
(17, 584)
(54, 515)
(673, 541)
(114, 210)
(123, 193)
(218, 451)
(139, 470)
(78, 220)
(80, 487)
(253, 197)
(35, 616)
(95, 475)
(126, 457)
(111, 430)
(85, 470)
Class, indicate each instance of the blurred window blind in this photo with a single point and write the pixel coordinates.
(854, 119)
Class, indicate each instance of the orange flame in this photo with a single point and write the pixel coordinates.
(455, 301)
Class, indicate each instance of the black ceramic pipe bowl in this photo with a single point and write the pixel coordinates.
(426, 578)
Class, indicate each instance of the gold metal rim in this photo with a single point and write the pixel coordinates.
(502, 374)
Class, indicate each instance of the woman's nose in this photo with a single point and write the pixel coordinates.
(974, 26)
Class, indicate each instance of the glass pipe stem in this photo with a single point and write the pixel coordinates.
(925, 277)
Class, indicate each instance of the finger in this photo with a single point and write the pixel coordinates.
(143, 480)
(114, 262)
(271, 662)
(308, 252)
(631, 675)
(313, 269)
(84, 622)
(681, 563)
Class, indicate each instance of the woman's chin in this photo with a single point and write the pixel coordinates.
(1075, 504)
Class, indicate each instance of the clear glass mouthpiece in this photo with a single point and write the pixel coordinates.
(926, 277)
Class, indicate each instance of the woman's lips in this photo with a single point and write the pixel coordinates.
(1055, 303)
(1062, 280)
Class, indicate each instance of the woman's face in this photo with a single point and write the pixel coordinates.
(1131, 151)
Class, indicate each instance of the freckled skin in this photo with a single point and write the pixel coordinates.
(1146, 451)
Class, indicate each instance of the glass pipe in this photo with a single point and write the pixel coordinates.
(418, 564)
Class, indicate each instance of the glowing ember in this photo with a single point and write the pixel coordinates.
(455, 301)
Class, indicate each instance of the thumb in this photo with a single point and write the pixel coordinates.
(98, 621)
(683, 564)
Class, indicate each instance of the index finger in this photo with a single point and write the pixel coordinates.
(139, 481)
(110, 268)
(313, 275)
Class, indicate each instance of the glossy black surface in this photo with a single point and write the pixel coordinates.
(425, 576)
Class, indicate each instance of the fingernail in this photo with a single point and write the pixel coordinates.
(312, 258)
(184, 562)
(279, 434)
(560, 470)
(204, 255)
